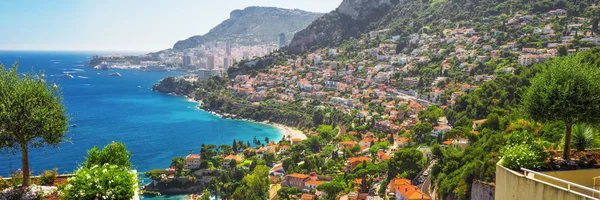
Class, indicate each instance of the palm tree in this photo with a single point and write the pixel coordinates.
(584, 136)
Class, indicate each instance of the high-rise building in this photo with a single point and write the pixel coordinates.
(210, 62)
(187, 60)
(226, 63)
(281, 40)
(228, 48)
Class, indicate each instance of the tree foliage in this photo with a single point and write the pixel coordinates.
(405, 160)
(568, 89)
(113, 154)
(31, 114)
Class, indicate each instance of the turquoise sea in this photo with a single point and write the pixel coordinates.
(155, 127)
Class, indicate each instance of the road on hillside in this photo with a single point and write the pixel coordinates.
(427, 182)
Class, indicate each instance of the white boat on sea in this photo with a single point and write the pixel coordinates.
(115, 74)
(67, 75)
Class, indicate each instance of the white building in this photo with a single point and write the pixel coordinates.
(192, 161)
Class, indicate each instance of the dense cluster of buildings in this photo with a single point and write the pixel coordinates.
(378, 87)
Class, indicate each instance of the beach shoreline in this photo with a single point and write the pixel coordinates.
(287, 133)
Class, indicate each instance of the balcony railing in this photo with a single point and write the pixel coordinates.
(569, 185)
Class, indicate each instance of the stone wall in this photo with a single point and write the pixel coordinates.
(482, 191)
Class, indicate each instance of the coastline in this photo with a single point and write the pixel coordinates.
(287, 133)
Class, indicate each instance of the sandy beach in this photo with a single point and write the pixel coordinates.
(287, 133)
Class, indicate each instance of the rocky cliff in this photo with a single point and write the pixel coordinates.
(254, 25)
(350, 19)
(175, 86)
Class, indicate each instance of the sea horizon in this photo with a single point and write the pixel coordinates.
(95, 52)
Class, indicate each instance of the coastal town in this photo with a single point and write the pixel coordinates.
(397, 96)
(376, 100)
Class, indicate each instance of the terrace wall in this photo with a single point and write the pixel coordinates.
(511, 185)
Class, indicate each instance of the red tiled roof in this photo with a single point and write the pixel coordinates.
(316, 183)
(299, 176)
(358, 159)
(307, 197)
(407, 190)
(447, 142)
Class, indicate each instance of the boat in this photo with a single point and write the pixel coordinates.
(73, 125)
(67, 75)
(114, 74)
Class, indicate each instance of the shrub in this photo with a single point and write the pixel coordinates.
(520, 156)
(48, 177)
(3, 183)
(16, 179)
(100, 182)
(31, 192)
(523, 151)
(112, 154)
(156, 174)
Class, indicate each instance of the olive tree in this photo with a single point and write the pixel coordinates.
(31, 114)
(566, 90)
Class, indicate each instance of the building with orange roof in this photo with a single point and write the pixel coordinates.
(346, 144)
(477, 123)
(283, 148)
(192, 161)
(415, 107)
(312, 185)
(307, 197)
(351, 163)
(382, 156)
(295, 180)
(228, 159)
(367, 142)
(296, 140)
(404, 190)
(277, 170)
(447, 142)
(437, 130)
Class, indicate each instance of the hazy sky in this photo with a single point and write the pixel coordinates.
(120, 25)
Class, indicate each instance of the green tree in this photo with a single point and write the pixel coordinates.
(205, 195)
(226, 149)
(492, 122)
(155, 174)
(463, 122)
(405, 160)
(326, 132)
(255, 185)
(568, 90)
(269, 158)
(331, 189)
(422, 130)
(113, 154)
(31, 115)
(287, 193)
(178, 163)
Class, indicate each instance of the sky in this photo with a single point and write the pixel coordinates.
(121, 25)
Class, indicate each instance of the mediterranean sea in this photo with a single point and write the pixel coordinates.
(155, 127)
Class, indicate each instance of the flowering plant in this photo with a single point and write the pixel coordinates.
(48, 177)
(523, 156)
(31, 192)
(99, 182)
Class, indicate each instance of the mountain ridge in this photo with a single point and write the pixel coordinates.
(244, 27)
(350, 19)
